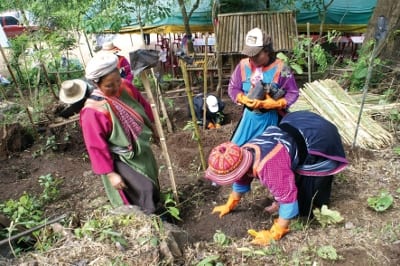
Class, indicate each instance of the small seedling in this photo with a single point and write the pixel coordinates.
(326, 216)
(381, 202)
(221, 239)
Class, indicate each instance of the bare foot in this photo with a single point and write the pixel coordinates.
(274, 207)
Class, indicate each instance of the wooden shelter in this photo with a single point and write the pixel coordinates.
(232, 28)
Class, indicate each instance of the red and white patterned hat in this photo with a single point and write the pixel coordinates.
(227, 163)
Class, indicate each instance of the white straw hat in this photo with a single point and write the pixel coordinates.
(72, 91)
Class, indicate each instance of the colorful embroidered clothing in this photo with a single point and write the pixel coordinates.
(244, 77)
(104, 121)
(278, 155)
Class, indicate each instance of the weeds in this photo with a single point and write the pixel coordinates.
(28, 210)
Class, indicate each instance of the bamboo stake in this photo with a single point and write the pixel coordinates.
(162, 104)
(205, 69)
(146, 84)
(192, 112)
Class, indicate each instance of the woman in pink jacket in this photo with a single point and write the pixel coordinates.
(117, 128)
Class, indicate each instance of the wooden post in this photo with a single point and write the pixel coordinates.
(185, 75)
(147, 87)
(162, 104)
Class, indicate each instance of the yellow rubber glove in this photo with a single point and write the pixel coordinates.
(268, 103)
(232, 202)
(243, 99)
(217, 125)
(264, 237)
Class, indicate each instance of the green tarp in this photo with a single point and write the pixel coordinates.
(342, 15)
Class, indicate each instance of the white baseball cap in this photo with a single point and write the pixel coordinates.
(255, 41)
(212, 103)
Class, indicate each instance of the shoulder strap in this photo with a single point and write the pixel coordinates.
(244, 63)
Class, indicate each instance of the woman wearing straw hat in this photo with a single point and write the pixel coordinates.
(117, 128)
(260, 64)
(295, 161)
(123, 63)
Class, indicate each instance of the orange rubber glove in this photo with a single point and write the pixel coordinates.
(232, 202)
(243, 99)
(210, 125)
(264, 237)
(268, 103)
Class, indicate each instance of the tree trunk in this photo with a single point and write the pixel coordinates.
(186, 17)
(391, 10)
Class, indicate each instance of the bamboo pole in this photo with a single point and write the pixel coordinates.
(162, 104)
(205, 85)
(146, 85)
(192, 112)
(309, 53)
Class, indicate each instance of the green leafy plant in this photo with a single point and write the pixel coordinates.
(190, 127)
(104, 228)
(51, 143)
(171, 205)
(327, 253)
(326, 216)
(28, 209)
(360, 67)
(209, 261)
(221, 239)
(381, 202)
(50, 187)
(298, 61)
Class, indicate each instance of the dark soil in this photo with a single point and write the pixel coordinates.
(366, 237)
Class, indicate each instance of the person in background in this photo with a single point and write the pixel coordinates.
(260, 64)
(295, 162)
(117, 127)
(214, 112)
(73, 93)
(123, 63)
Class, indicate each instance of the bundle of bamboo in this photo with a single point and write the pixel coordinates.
(328, 99)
